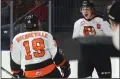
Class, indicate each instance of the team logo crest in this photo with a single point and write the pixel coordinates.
(89, 30)
(38, 73)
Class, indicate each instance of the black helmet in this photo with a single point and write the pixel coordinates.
(114, 12)
(31, 22)
(87, 3)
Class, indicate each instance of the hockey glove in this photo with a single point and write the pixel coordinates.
(65, 69)
(65, 72)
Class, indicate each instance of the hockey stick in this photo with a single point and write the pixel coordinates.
(8, 72)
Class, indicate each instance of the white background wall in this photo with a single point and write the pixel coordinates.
(74, 67)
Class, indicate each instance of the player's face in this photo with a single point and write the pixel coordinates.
(86, 12)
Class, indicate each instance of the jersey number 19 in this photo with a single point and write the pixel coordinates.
(37, 45)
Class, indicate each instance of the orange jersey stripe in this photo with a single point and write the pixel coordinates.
(40, 72)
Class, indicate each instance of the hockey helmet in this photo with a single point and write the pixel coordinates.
(87, 3)
(31, 22)
(114, 12)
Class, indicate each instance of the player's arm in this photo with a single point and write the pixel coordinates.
(62, 63)
(59, 58)
(106, 28)
(76, 31)
(15, 60)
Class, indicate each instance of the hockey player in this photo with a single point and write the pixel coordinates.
(92, 24)
(37, 51)
(114, 18)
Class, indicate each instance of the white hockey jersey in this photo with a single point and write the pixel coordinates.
(37, 52)
(96, 26)
(33, 47)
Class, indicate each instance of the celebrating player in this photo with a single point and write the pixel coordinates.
(37, 51)
(92, 24)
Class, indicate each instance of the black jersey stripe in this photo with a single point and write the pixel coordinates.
(38, 65)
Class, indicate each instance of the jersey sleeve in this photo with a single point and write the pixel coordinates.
(51, 46)
(15, 57)
(106, 28)
(55, 52)
(76, 31)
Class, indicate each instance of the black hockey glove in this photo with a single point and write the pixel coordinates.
(65, 69)
(19, 74)
(65, 72)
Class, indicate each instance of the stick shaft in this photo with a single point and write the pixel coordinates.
(8, 72)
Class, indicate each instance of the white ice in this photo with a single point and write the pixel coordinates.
(74, 67)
